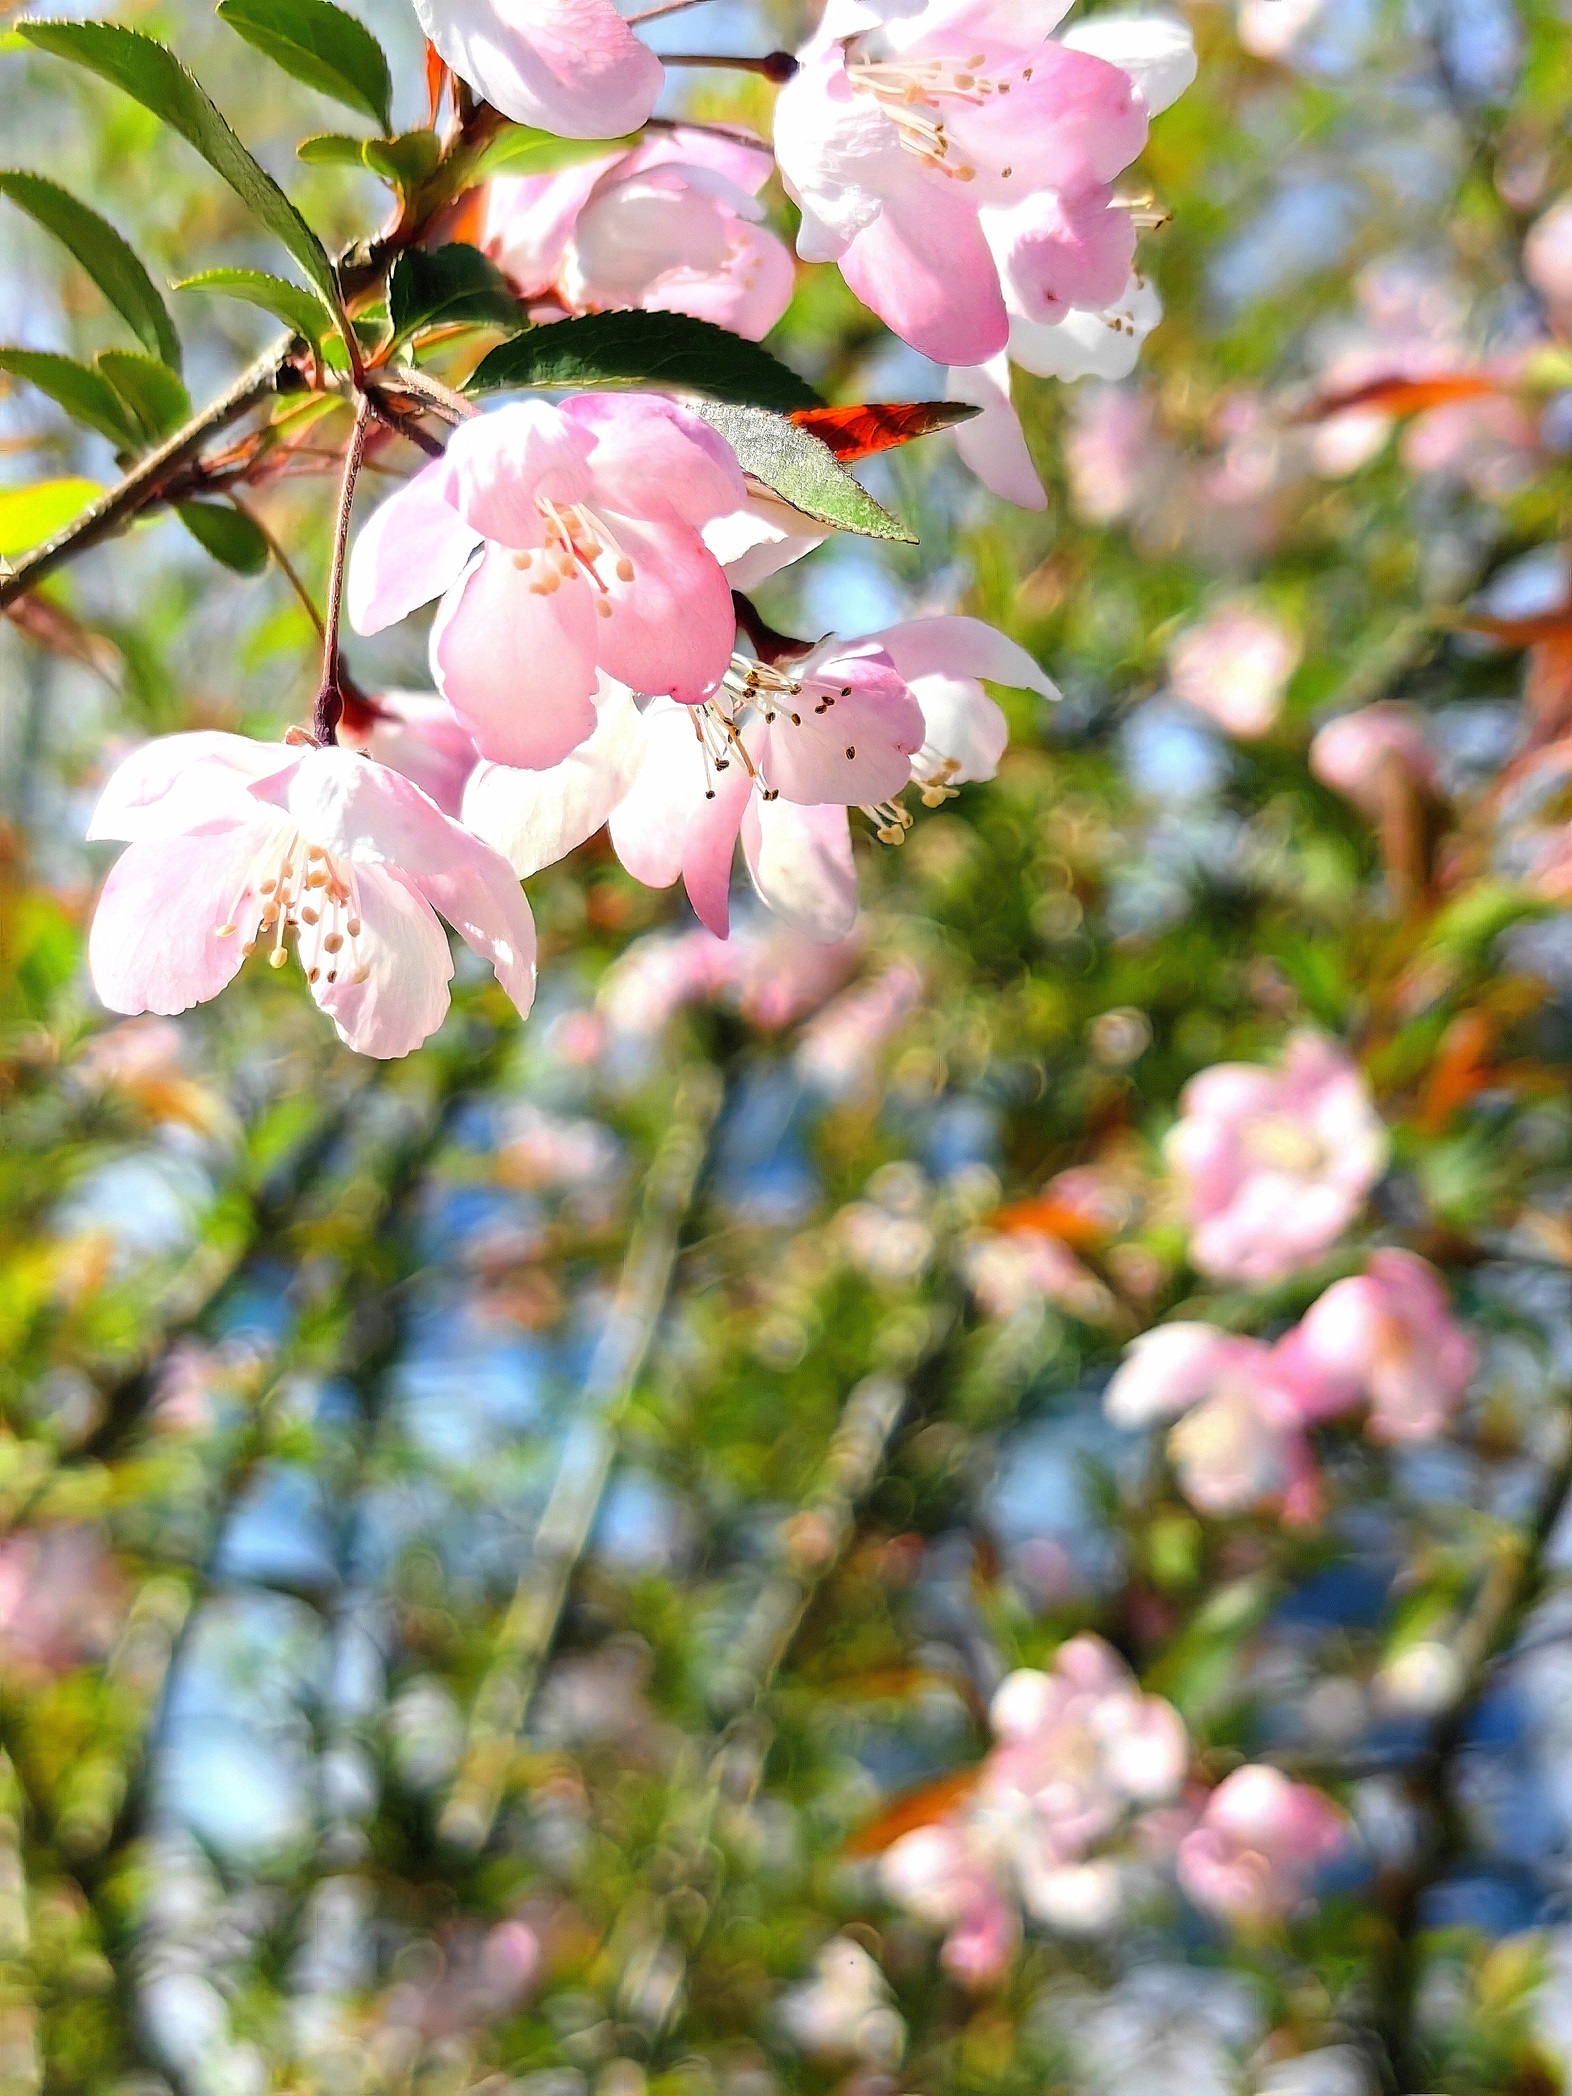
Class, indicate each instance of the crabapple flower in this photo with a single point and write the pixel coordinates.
(956, 161)
(775, 758)
(1388, 1336)
(569, 66)
(1234, 666)
(1262, 1842)
(563, 541)
(418, 734)
(1082, 1762)
(234, 844)
(838, 1054)
(1351, 753)
(1240, 1438)
(846, 2011)
(943, 661)
(1274, 1164)
(671, 227)
(1547, 256)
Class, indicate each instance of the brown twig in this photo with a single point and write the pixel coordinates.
(330, 697)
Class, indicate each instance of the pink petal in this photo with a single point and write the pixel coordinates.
(1055, 252)
(652, 458)
(681, 818)
(155, 945)
(177, 783)
(848, 738)
(993, 444)
(924, 267)
(673, 627)
(518, 669)
(638, 228)
(418, 734)
(411, 549)
(800, 862)
(749, 167)
(1156, 51)
(530, 220)
(1076, 123)
(404, 953)
(479, 895)
(535, 818)
(568, 66)
(747, 294)
(497, 465)
(764, 536)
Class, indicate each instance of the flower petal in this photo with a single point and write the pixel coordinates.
(961, 647)
(652, 458)
(535, 818)
(850, 736)
(496, 466)
(800, 862)
(406, 964)
(681, 818)
(993, 444)
(411, 549)
(155, 944)
(177, 783)
(1155, 50)
(516, 667)
(673, 627)
(925, 268)
(1089, 345)
(569, 66)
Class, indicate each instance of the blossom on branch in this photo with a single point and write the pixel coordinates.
(674, 226)
(569, 66)
(1274, 1164)
(1260, 1846)
(1387, 1337)
(564, 541)
(235, 844)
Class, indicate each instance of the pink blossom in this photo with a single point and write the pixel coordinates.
(418, 734)
(569, 66)
(1261, 1843)
(1239, 1442)
(1388, 1336)
(1235, 666)
(1274, 1164)
(231, 841)
(944, 662)
(1351, 753)
(1547, 256)
(564, 542)
(671, 227)
(775, 758)
(771, 974)
(956, 161)
(945, 1878)
(1010, 1271)
(1108, 452)
(61, 1601)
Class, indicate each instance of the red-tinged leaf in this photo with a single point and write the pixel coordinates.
(1050, 1218)
(436, 80)
(860, 432)
(1410, 396)
(1463, 1067)
(924, 1807)
(1523, 633)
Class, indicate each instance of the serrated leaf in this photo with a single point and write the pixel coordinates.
(29, 516)
(86, 395)
(447, 286)
(153, 76)
(803, 470)
(320, 45)
(331, 149)
(404, 161)
(297, 309)
(229, 537)
(881, 425)
(108, 259)
(519, 150)
(645, 349)
(155, 396)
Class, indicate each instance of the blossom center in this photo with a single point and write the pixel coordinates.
(1284, 1144)
(302, 888)
(913, 94)
(577, 543)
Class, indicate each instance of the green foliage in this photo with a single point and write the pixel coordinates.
(320, 44)
(108, 259)
(450, 286)
(230, 537)
(28, 516)
(297, 309)
(87, 396)
(804, 470)
(629, 349)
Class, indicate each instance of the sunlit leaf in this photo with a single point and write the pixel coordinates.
(646, 349)
(154, 77)
(322, 46)
(108, 259)
(297, 309)
(448, 285)
(803, 470)
(86, 395)
(155, 396)
(518, 150)
(28, 516)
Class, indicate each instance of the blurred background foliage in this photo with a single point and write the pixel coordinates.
(487, 1537)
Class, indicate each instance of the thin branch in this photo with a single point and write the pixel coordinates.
(530, 1628)
(776, 66)
(330, 698)
(668, 7)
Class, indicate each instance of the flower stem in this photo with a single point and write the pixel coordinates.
(330, 698)
(667, 7)
(778, 66)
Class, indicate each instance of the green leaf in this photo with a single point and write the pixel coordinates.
(331, 149)
(448, 285)
(155, 395)
(519, 150)
(320, 44)
(804, 470)
(108, 260)
(86, 396)
(404, 161)
(29, 516)
(156, 78)
(297, 309)
(231, 538)
(648, 349)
